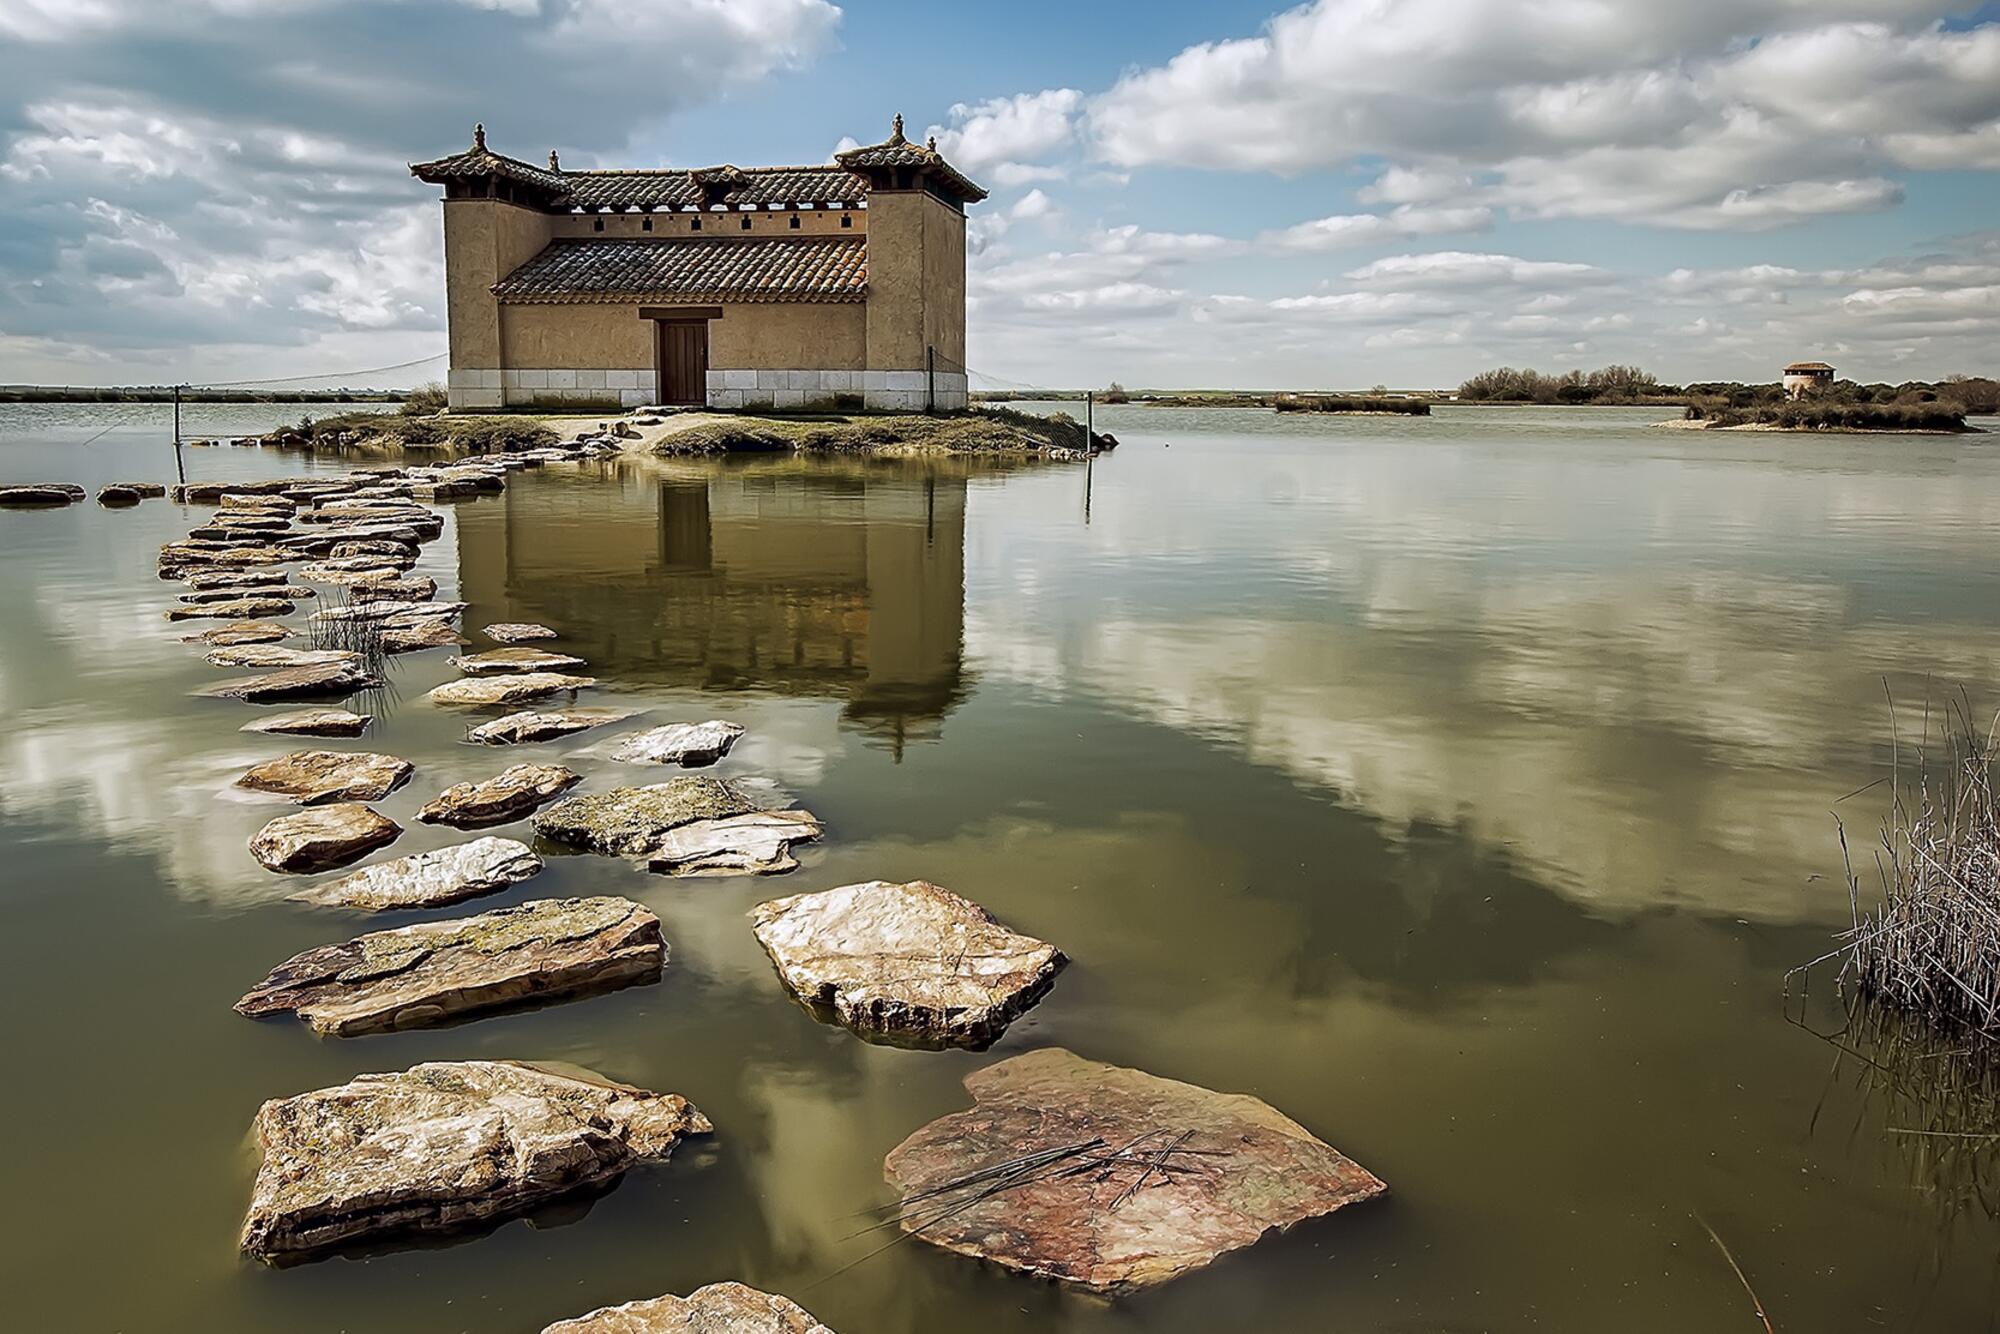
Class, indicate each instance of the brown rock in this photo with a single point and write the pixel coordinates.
(517, 632)
(323, 838)
(690, 745)
(200, 596)
(430, 879)
(333, 678)
(719, 1308)
(1196, 1173)
(631, 821)
(270, 655)
(759, 843)
(506, 689)
(243, 632)
(444, 1145)
(418, 976)
(913, 961)
(531, 725)
(312, 722)
(502, 661)
(422, 635)
(508, 795)
(233, 609)
(31, 497)
(315, 777)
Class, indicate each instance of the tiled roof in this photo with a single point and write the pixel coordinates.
(480, 161)
(896, 151)
(1807, 366)
(831, 268)
(715, 185)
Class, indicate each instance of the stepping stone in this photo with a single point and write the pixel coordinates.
(373, 546)
(418, 976)
(324, 838)
(34, 497)
(312, 722)
(759, 843)
(719, 1308)
(690, 745)
(426, 634)
(530, 725)
(144, 490)
(501, 661)
(315, 777)
(508, 795)
(333, 678)
(207, 579)
(506, 689)
(385, 610)
(420, 588)
(319, 572)
(517, 632)
(1192, 1175)
(116, 497)
(430, 879)
(271, 655)
(201, 596)
(444, 1145)
(631, 821)
(234, 609)
(243, 632)
(913, 962)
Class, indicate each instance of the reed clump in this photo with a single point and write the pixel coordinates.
(1931, 946)
(1364, 403)
(1813, 414)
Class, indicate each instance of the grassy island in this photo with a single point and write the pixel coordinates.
(1812, 414)
(1363, 404)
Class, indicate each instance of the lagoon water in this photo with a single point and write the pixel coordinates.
(1460, 786)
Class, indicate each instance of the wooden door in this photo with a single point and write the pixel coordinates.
(681, 361)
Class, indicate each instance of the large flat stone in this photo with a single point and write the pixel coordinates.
(325, 679)
(322, 838)
(232, 609)
(242, 632)
(272, 655)
(480, 690)
(425, 634)
(417, 976)
(517, 632)
(542, 725)
(690, 745)
(315, 777)
(912, 962)
(443, 1146)
(1238, 1169)
(502, 661)
(508, 795)
(430, 879)
(278, 592)
(759, 843)
(719, 1308)
(311, 722)
(631, 821)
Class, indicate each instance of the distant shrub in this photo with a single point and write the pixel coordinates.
(425, 400)
(1833, 415)
(1115, 393)
(1409, 407)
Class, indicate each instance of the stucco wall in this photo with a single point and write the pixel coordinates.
(944, 283)
(781, 335)
(576, 337)
(896, 280)
(484, 241)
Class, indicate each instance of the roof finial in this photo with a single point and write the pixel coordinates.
(930, 142)
(553, 164)
(896, 129)
(479, 135)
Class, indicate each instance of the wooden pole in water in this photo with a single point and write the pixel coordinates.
(1089, 455)
(180, 465)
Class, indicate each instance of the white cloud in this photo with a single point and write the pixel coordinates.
(1458, 268)
(1031, 205)
(1347, 230)
(1007, 136)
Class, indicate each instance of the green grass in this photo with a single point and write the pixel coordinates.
(1411, 407)
(1827, 415)
(482, 434)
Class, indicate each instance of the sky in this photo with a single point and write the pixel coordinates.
(1341, 194)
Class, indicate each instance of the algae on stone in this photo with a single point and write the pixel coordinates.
(630, 821)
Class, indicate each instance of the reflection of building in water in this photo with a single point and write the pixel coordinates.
(803, 579)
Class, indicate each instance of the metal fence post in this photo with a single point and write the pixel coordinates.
(930, 378)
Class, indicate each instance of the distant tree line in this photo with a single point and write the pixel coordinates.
(1629, 384)
(44, 393)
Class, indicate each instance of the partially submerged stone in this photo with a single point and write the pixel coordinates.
(631, 821)
(207, 579)
(502, 661)
(719, 1308)
(412, 588)
(508, 795)
(442, 1146)
(689, 745)
(517, 632)
(115, 496)
(475, 690)
(233, 609)
(1200, 1173)
(430, 879)
(906, 961)
(331, 678)
(272, 655)
(311, 722)
(542, 725)
(417, 976)
(277, 591)
(322, 838)
(423, 635)
(314, 777)
(242, 632)
(759, 843)
(33, 497)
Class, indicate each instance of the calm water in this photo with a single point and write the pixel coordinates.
(1461, 787)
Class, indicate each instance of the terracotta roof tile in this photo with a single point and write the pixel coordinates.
(479, 161)
(832, 268)
(715, 185)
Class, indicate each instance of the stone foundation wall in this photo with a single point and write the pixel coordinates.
(472, 389)
(875, 391)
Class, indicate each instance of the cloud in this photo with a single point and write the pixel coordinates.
(1008, 135)
(1347, 230)
(1581, 108)
(1457, 268)
(1033, 204)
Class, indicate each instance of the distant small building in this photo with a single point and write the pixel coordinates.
(831, 286)
(1802, 377)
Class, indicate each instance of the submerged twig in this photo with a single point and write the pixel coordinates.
(1756, 1302)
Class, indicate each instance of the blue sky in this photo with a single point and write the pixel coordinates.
(1339, 194)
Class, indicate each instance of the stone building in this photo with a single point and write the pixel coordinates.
(834, 286)
(1803, 377)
